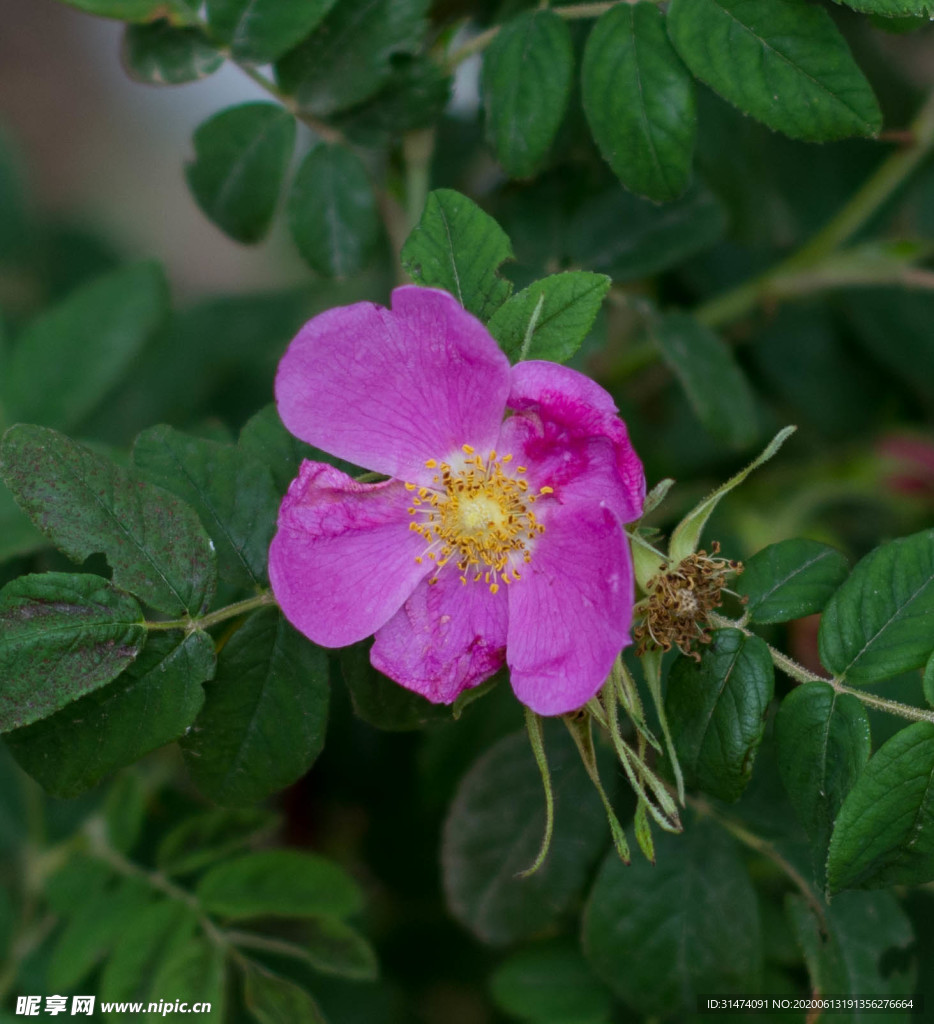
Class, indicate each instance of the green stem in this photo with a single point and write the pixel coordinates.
(787, 278)
(569, 13)
(417, 150)
(533, 725)
(802, 675)
(190, 625)
(322, 130)
(875, 191)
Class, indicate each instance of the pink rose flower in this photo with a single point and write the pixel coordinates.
(499, 536)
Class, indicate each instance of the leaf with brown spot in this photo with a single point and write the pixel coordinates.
(62, 635)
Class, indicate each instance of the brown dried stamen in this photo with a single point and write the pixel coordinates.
(680, 599)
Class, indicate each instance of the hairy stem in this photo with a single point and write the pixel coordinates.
(802, 675)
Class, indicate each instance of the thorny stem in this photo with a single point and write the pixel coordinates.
(766, 849)
(569, 13)
(190, 625)
(801, 675)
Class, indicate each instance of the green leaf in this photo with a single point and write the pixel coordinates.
(659, 934)
(275, 1000)
(791, 579)
(193, 971)
(17, 535)
(881, 621)
(86, 504)
(627, 237)
(857, 946)
(332, 211)
(458, 247)
(233, 494)
(639, 101)
(61, 636)
(264, 717)
(494, 830)
(550, 983)
(260, 31)
(414, 97)
(132, 966)
(333, 947)
(527, 76)
(927, 681)
(788, 65)
(241, 156)
(380, 701)
(161, 54)
(893, 8)
(265, 438)
(204, 838)
(555, 329)
(280, 883)
(136, 10)
(823, 745)
(123, 811)
(716, 711)
(687, 533)
(70, 357)
(349, 57)
(714, 384)
(152, 703)
(884, 833)
(98, 924)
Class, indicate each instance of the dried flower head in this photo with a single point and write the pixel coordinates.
(680, 600)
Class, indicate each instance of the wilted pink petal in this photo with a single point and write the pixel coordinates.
(390, 389)
(343, 559)
(447, 637)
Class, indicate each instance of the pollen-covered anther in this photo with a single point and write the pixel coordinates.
(680, 600)
(479, 516)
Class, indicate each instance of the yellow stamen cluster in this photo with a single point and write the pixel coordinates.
(478, 516)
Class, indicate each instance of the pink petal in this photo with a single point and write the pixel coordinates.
(343, 559)
(390, 389)
(570, 613)
(577, 470)
(446, 638)
(568, 428)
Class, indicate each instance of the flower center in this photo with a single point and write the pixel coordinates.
(479, 516)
